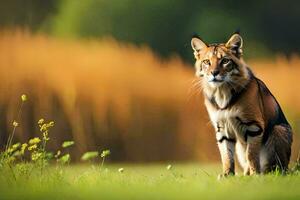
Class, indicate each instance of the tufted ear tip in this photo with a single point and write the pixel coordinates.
(195, 35)
(235, 44)
(238, 31)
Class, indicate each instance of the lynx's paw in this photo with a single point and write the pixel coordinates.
(225, 175)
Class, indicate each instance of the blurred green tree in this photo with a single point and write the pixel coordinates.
(164, 25)
(27, 14)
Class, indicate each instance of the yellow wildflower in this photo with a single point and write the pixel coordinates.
(35, 140)
(41, 121)
(105, 153)
(23, 148)
(15, 146)
(35, 156)
(24, 97)
(15, 124)
(32, 147)
(57, 154)
(10, 150)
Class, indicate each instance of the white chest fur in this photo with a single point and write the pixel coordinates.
(224, 122)
(222, 98)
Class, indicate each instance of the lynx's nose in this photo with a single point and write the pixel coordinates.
(215, 72)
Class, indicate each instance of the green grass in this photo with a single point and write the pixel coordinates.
(184, 181)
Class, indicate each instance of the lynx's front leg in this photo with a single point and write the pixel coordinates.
(227, 147)
(253, 138)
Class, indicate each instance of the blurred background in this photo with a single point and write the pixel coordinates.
(118, 74)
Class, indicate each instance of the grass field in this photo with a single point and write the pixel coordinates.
(182, 181)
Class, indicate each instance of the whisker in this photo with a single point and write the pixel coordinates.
(195, 88)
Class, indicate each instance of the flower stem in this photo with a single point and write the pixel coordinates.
(102, 163)
(10, 138)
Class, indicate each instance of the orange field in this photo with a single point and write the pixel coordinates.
(105, 94)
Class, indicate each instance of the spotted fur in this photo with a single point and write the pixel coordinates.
(246, 116)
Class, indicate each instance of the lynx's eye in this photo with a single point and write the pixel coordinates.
(225, 61)
(206, 62)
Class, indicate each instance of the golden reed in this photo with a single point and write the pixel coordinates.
(105, 94)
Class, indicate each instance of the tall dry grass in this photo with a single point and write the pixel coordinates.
(103, 94)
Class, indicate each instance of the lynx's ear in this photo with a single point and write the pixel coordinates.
(197, 44)
(235, 44)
